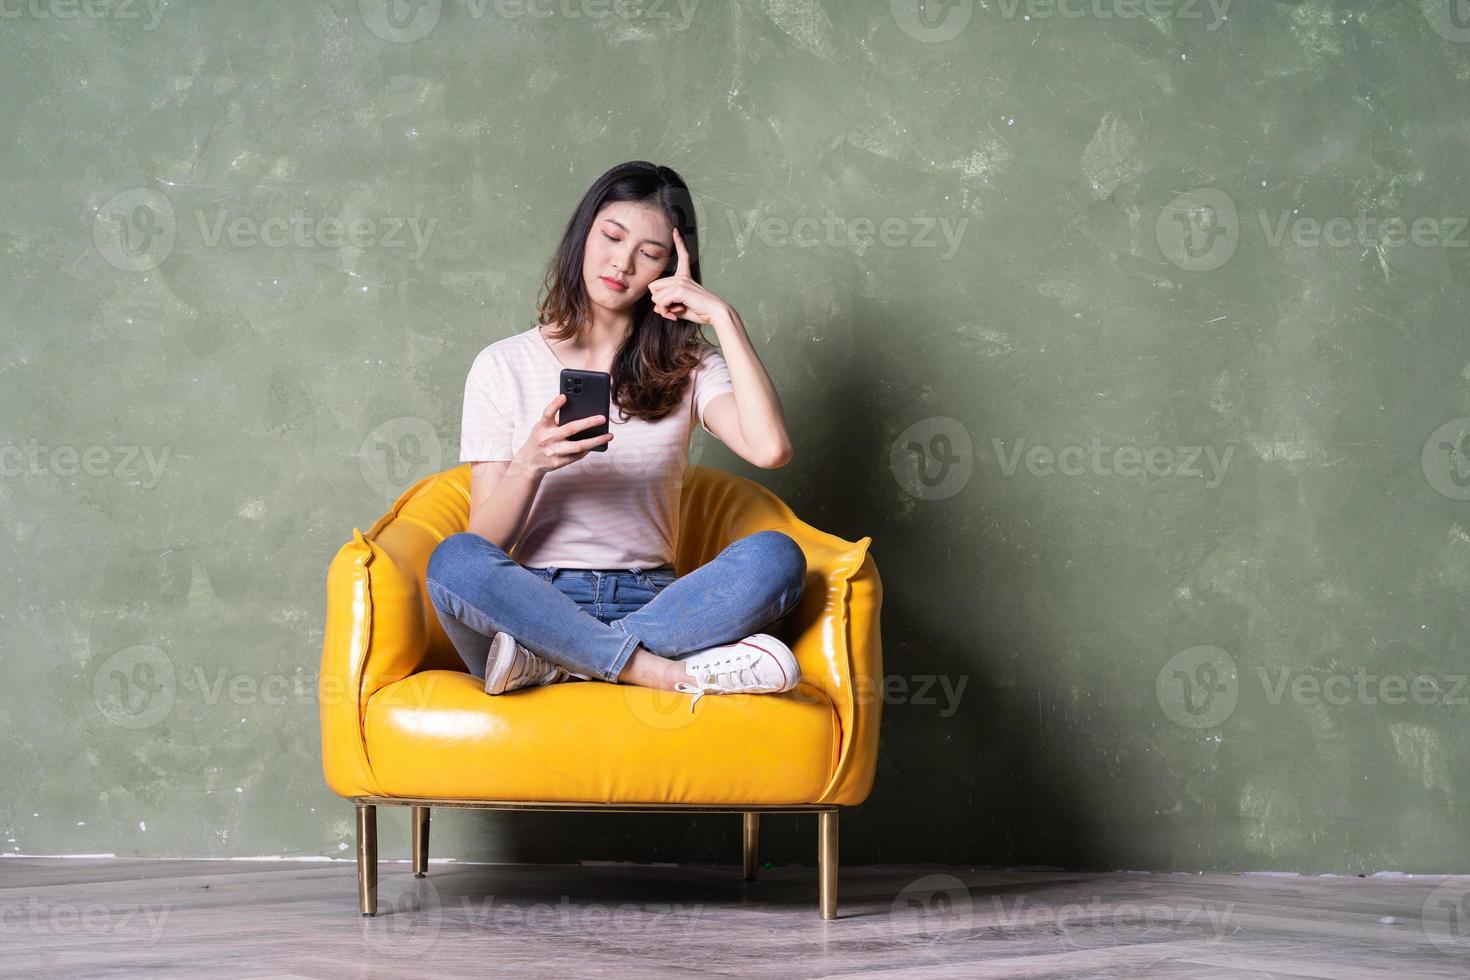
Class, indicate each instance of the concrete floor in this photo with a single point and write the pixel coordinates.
(107, 917)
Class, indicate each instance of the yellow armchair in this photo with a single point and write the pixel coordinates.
(404, 724)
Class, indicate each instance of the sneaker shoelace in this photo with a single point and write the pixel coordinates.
(719, 676)
(529, 665)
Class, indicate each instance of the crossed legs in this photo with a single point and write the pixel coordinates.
(478, 590)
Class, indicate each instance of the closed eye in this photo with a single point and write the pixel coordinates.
(612, 239)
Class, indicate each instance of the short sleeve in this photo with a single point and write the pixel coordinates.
(486, 429)
(712, 379)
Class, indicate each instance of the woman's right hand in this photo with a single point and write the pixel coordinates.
(549, 446)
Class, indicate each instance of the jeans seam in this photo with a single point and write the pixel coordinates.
(625, 653)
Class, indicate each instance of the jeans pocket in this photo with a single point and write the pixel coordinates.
(656, 580)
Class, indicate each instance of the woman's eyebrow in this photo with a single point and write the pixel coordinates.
(648, 240)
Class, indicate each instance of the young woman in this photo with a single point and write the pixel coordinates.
(592, 592)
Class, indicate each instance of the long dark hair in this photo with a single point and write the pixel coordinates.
(654, 363)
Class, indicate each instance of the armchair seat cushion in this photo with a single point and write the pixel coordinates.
(437, 734)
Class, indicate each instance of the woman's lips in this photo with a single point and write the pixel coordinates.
(614, 284)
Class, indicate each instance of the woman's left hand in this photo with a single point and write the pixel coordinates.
(678, 297)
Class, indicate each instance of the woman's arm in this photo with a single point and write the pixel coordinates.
(749, 420)
(502, 490)
(500, 499)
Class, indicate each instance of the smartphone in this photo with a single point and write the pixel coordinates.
(588, 393)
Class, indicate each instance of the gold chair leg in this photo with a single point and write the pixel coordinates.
(367, 858)
(752, 842)
(827, 861)
(420, 841)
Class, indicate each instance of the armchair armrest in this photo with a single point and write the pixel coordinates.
(834, 629)
(381, 626)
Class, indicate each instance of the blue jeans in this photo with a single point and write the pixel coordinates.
(590, 621)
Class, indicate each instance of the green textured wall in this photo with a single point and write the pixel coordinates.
(1166, 469)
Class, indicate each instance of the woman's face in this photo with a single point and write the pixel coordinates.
(629, 246)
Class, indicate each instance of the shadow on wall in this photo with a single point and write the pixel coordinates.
(967, 764)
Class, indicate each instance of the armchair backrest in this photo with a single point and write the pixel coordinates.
(381, 626)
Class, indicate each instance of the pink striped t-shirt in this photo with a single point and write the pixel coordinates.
(617, 509)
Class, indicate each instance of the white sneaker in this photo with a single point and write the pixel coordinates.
(758, 664)
(511, 666)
